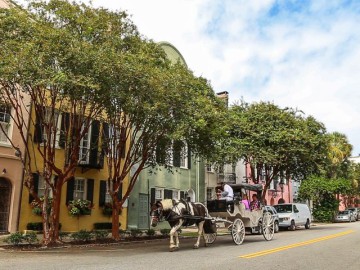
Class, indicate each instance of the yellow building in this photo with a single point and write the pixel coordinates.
(89, 182)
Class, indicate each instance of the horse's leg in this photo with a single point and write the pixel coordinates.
(173, 232)
(200, 233)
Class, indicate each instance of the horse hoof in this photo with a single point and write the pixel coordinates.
(173, 249)
(196, 247)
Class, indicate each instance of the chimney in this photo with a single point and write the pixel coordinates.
(224, 96)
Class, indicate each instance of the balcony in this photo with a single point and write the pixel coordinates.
(227, 177)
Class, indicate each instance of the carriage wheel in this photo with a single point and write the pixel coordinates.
(210, 238)
(268, 228)
(238, 231)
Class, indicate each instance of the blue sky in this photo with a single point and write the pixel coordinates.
(296, 53)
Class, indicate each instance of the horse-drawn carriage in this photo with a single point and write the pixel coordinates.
(230, 214)
(235, 216)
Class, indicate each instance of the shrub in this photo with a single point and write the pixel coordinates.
(103, 226)
(135, 232)
(165, 231)
(82, 235)
(150, 232)
(123, 233)
(30, 238)
(62, 235)
(14, 239)
(100, 234)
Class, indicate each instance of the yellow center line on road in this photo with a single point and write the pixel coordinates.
(269, 251)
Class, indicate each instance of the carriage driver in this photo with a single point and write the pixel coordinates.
(227, 193)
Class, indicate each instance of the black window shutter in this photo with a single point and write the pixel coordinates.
(65, 123)
(95, 127)
(36, 186)
(102, 194)
(70, 190)
(105, 137)
(168, 194)
(123, 141)
(182, 195)
(90, 190)
(152, 195)
(120, 192)
(177, 153)
(161, 151)
(189, 158)
(38, 132)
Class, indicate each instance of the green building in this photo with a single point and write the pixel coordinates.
(187, 179)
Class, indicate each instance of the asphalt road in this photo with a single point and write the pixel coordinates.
(333, 246)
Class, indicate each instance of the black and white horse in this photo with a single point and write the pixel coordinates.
(179, 213)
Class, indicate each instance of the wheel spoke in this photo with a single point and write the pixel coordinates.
(238, 231)
(268, 226)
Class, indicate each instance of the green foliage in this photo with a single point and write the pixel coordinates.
(82, 235)
(323, 192)
(164, 231)
(37, 205)
(14, 239)
(135, 232)
(150, 232)
(107, 209)
(30, 238)
(80, 207)
(100, 234)
(279, 142)
(63, 235)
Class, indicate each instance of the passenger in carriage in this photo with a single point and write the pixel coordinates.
(254, 204)
(245, 201)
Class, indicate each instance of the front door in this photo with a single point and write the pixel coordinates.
(5, 198)
(144, 216)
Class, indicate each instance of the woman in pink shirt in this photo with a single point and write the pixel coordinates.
(245, 201)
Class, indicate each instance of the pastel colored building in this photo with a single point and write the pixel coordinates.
(185, 181)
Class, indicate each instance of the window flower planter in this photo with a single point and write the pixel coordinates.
(80, 207)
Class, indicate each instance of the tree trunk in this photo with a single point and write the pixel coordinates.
(115, 222)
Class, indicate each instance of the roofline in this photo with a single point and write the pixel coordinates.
(172, 46)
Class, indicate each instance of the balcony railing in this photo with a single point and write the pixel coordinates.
(227, 177)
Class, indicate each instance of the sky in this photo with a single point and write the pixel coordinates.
(296, 53)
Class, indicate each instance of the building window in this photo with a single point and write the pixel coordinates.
(53, 123)
(209, 167)
(209, 194)
(159, 194)
(79, 189)
(175, 194)
(184, 157)
(114, 134)
(108, 198)
(5, 123)
(84, 151)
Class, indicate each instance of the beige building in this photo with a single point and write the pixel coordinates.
(11, 169)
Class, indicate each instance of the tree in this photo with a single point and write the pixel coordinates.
(82, 66)
(54, 53)
(159, 112)
(339, 151)
(324, 193)
(274, 142)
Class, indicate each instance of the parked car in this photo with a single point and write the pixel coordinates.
(344, 216)
(275, 216)
(355, 212)
(293, 214)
